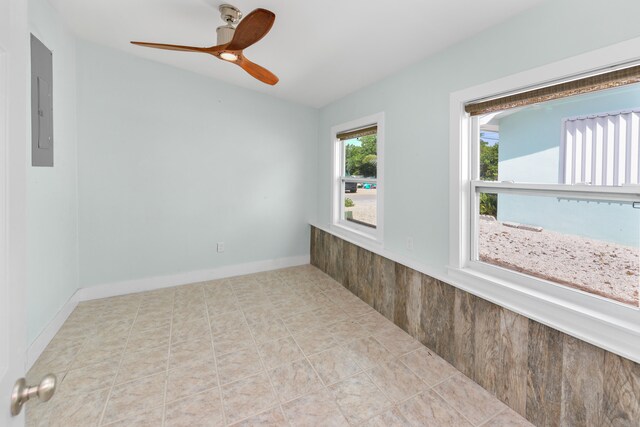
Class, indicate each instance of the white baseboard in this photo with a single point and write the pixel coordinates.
(148, 284)
(42, 341)
(151, 283)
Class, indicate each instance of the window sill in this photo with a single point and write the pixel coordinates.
(348, 232)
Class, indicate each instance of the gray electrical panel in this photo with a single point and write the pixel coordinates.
(41, 104)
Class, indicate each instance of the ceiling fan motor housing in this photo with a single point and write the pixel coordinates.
(230, 14)
(225, 34)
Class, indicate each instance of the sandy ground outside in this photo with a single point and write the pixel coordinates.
(598, 267)
(364, 208)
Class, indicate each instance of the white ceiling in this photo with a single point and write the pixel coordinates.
(320, 50)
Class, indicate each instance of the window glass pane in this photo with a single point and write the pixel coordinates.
(360, 203)
(361, 157)
(489, 150)
(589, 245)
(589, 139)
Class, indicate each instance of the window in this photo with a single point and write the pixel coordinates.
(583, 233)
(545, 195)
(357, 189)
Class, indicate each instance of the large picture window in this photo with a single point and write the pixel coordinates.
(357, 176)
(584, 232)
(545, 195)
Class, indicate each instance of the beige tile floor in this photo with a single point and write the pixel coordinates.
(287, 347)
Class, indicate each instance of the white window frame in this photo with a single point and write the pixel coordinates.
(337, 179)
(603, 322)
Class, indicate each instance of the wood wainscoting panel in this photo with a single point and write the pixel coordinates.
(621, 391)
(514, 350)
(582, 383)
(487, 351)
(414, 304)
(366, 286)
(544, 376)
(464, 336)
(437, 317)
(350, 266)
(400, 291)
(382, 283)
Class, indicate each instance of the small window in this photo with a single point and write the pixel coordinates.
(357, 188)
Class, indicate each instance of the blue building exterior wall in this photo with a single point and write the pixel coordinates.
(530, 152)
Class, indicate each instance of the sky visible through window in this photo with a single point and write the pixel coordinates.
(491, 137)
(354, 141)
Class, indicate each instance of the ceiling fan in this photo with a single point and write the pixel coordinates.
(232, 40)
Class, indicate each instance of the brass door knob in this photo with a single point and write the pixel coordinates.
(22, 392)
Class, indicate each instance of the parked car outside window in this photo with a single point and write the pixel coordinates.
(350, 187)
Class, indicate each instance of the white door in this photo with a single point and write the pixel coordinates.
(14, 78)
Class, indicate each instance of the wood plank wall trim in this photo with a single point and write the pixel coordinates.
(548, 377)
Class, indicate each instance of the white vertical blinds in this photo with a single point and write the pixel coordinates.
(601, 149)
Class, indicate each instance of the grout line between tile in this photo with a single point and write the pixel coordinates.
(430, 387)
(400, 402)
(326, 387)
(271, 408)
(106, 403)
(394, 358)
(414, 373)
(456, 409)
(166, 373)
(215, 358)
(264, 366)
(496, 415)
(215, 387)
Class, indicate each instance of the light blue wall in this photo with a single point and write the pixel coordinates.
(532, 136)
(52, 202)
(607, 221)
(416, 106)
(530, 152)
(171, 162)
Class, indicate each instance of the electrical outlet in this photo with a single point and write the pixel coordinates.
(410, 243)
(220, 247)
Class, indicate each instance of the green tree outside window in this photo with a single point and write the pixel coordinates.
(488, 172)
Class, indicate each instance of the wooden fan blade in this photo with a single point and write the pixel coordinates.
(260, 73)
(211, 50)
(170, 47)
(252, 28)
